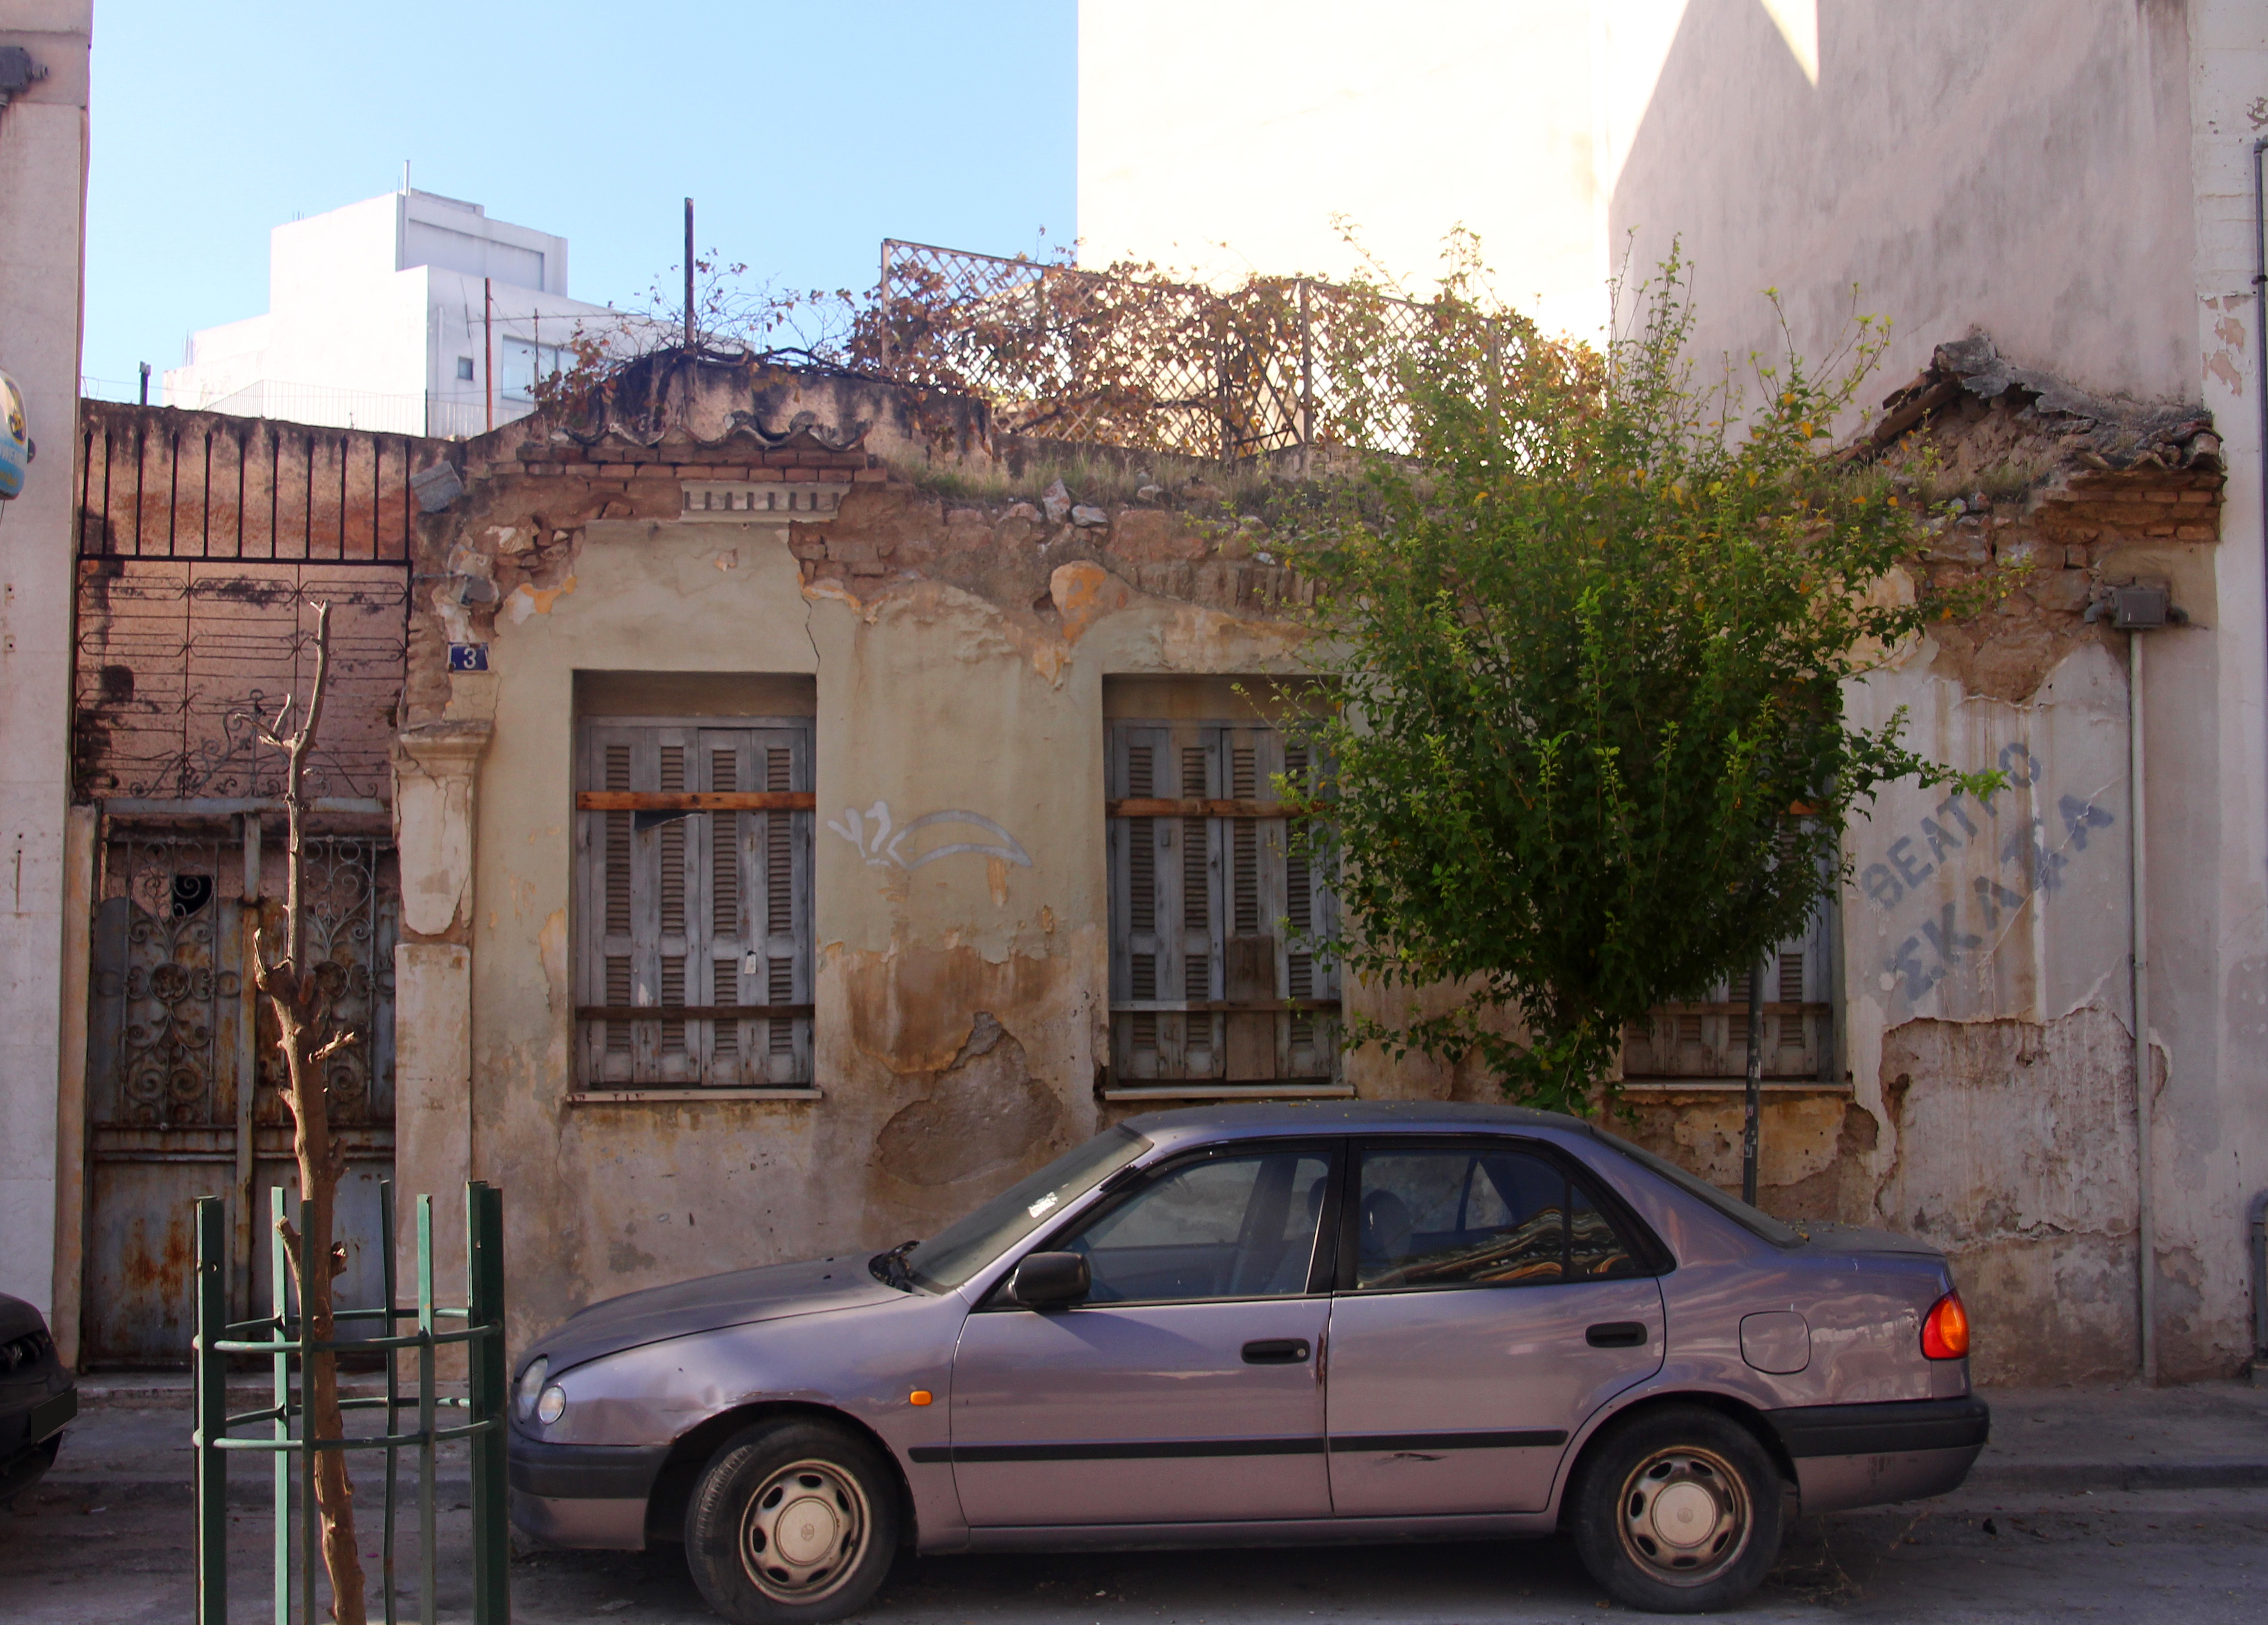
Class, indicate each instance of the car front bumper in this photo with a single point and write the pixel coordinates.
(587, 1496)
(1864, 1455)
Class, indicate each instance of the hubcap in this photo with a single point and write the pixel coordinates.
(803, 1532)
(1684, 1516)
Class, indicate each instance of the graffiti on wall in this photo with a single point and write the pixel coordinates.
(1940, 927)
(883, 845)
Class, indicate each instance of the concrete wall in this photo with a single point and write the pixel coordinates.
(42, 199)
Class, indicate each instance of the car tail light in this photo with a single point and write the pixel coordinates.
(1945, 1333)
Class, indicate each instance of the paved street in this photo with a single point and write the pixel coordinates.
(2101, 1504)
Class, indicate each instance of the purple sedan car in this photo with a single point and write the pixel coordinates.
(1268, 1324)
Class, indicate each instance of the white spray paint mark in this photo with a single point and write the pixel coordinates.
(872, 833)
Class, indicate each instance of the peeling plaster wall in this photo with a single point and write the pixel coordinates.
(962, 1005)
(958, 651)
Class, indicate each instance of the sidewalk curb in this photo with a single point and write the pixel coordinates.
(2122, 1475)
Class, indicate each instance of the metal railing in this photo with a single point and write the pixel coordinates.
(1278, 364)
(278, 1337)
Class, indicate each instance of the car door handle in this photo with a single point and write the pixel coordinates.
(1275, 1351)
(1617, 1334)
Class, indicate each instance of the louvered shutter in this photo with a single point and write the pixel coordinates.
(705, 912)
(1201, 963)
(1707, 1040)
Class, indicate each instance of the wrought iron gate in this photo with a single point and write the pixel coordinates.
(182, 1070)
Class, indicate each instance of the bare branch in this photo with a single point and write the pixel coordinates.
(344, 1039)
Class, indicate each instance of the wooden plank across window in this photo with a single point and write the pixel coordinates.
(1218, 1006)
(696, 801)
(688, 1012)
(1156, 806)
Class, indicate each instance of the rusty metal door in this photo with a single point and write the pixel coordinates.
(182, 1071)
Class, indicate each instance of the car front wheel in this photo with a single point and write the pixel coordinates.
(793, 1521)
(1677, 1511)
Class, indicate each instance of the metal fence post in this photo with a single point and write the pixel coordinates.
(425, 1411)
(212, 1379)
(279, 1303)
(486, 1375)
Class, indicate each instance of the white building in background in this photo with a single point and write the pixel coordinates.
(392, 314)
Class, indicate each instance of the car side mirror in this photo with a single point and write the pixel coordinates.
(1052, 1280)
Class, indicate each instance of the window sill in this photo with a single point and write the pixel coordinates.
(1231, 1091)
(1733, 1086)
(673, 1097)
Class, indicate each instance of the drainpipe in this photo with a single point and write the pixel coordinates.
(2258, 1219)
(2146, 1234)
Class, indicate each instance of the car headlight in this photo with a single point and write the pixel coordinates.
(531, 1385)
(552, 1405)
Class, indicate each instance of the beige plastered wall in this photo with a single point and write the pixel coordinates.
(929, 699)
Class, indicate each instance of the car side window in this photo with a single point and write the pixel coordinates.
(1223, 1227)
(1464, 1216)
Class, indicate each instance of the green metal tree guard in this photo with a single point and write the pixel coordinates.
(276, 1336)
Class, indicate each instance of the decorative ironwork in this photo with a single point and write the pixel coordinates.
(174, 659)
(171, 980)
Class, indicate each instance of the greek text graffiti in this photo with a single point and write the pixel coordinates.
(2032, 856)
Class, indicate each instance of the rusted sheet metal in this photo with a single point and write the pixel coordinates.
(174, 659)
(157, 482)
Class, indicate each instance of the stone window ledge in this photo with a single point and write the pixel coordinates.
(1729, 1085)
(1231, 1091)
(673, 1097)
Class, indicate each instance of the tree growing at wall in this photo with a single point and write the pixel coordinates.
(307, 1038)
(1589, 745)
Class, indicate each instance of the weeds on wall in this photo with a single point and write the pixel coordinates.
(1588, 644)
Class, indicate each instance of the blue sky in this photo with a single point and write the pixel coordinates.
(805, 133)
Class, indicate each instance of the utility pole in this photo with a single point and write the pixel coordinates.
(688, 274)
(488, 344)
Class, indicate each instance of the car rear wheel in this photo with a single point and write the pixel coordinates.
(1677, 1511)
(793, 1521)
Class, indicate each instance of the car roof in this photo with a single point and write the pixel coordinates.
(1239, 1119)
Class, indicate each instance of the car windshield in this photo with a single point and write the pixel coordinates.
(966, 1246)
(1754, 1220)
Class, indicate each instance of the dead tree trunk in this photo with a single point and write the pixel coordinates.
(303, 1019)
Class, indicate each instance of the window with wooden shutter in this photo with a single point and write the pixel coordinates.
(1211, 983)
(693, 894)
(1705, 1041)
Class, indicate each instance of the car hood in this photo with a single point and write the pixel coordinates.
(1829, 1236)
(709, 1302)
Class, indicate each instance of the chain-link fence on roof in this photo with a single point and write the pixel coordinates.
(1138, 360)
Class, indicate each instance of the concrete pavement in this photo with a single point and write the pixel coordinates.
(2106, 1503)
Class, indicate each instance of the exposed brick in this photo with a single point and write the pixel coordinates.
(2163, 495)
(807, 547)
(868, 569)
(2074, 558)
(2195, 532)
(543, 469)
(836, 476)
(2199, 497)
(873, 476)
(618, 471)
(852, 550)
(763, 474)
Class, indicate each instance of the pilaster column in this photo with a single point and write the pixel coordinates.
(434, 769)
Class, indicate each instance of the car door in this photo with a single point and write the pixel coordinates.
(1488, 1302)
(1187, 1387)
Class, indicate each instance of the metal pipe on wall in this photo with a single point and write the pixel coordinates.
(2145, 1247)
